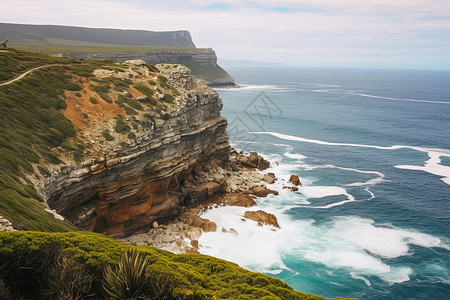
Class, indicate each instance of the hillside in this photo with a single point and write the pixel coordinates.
(62, 35)
(118, 46)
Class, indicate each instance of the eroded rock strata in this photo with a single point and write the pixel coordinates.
(120, 191)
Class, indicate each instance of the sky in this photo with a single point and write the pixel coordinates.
(389, 34)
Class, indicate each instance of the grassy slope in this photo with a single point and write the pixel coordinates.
(193, 276)
(209, 73)
(51, 46)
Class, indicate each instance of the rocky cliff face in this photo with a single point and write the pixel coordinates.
(201, 56)
(119, 190)
(202, 62)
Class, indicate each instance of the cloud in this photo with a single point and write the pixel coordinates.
(304, 32)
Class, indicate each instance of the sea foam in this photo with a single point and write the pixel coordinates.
(431, 166)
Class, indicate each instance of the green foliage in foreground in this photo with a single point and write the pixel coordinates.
(26, 259)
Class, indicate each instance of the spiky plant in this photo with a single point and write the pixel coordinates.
(126, 280)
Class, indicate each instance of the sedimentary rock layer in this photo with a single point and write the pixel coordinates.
(125, 191)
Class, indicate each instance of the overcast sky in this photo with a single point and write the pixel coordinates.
(411, 34)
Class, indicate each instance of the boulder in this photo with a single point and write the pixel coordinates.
(295, 180)
(263, 217)
(204, 224)
(262, 191)
(269, 178)
(193, 233)
(253, 161)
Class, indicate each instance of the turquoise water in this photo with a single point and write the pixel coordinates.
(372, 149)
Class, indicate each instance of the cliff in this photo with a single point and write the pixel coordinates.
(105, 145)
(69, 35)
(118, 191)
(202, 62)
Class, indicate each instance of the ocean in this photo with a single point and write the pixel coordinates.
(372, 150)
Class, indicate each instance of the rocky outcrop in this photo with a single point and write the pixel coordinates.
(127, 189)
(295, 180)
(6, 225)
(262, 217)
(253, 160)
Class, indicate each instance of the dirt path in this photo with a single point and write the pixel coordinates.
(26, 73)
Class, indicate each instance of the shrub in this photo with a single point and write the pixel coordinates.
(78, 94)
(121, 126)
(44, 171)
(168, 98)
(144, 89)
(68, 279)
(126, 281)
(105, 97)
(165, 116)
(102, 88)
(93, 100)
(162, 78)
(131, 135)
(152, 68)
(73, 87)
(107, 135)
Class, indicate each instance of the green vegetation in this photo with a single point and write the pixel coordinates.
(147, 91)
(121, 126)
(152, 68)
(107, 135)
(31, 126)
(13, 63)
(30, 261)
(209, 73)
(127, 279)
(93, 100)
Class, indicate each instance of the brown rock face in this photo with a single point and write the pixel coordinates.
(122, 192)
(261, 191)
(295, 180)
(262, 217)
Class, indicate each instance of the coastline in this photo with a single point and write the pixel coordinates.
(242, 183)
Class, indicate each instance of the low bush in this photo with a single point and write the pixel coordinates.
(36, 265)
(121, 126)
(107, 135)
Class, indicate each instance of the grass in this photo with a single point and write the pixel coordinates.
(14, 63)
(33, 132)
(209, 73)
(26, 258)
(55, 46)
